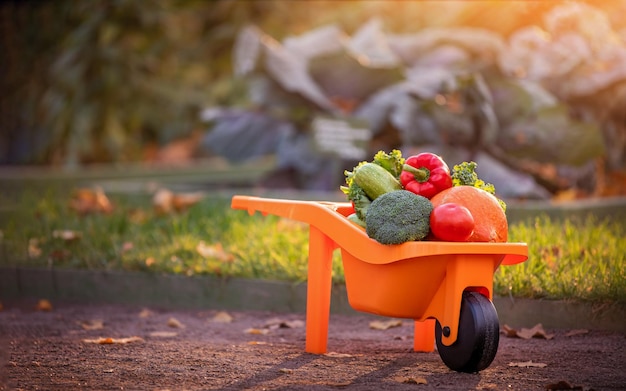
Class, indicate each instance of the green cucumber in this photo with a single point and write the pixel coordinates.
(375, 180)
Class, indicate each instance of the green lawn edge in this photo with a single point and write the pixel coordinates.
(144, 289)
(269, 248)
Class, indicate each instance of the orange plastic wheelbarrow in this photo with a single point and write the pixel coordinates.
(445, 287)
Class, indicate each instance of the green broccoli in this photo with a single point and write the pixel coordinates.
(392, 161)
(464, 174)
(398, 216)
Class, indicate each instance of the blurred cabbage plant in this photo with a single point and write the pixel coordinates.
(467, 93)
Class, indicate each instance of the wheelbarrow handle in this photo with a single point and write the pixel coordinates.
(303, 211)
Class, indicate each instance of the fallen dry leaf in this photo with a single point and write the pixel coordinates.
(183, 201)
(66, 235)
(256, 331)
(96, 324)
(175, 323)
(214, 251)
(292, 324)
(528, 364)
(385, 324)
(257, 343)
(145, 313)
(163, 334)
(276, 323)
(222, 317)
(535, 332)
(162, 201)
(165, 201)
(127, 246)
(411, 380)
(85, 201)
(338, 355)
(508, 331)
(575, 332)
(272, 323)
(109, 341)
(43, 305)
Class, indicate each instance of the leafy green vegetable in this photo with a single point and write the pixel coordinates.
(360, 200)
(356, 220)
(392, 161)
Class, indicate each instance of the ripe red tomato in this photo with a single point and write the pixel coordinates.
(451, 222)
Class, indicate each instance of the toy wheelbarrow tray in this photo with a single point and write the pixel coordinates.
(446, 287)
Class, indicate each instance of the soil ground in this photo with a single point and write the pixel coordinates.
(194, 350)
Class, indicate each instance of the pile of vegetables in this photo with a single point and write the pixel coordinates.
(397, 200)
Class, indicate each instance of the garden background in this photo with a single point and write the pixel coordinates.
(126, 125)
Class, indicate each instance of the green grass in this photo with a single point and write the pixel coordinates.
(575, 258)
(571, 259)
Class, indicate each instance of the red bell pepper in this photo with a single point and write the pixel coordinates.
(425, 174)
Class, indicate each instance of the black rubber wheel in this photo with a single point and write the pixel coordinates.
(478, 337)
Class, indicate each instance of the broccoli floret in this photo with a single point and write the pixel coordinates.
(392, 161)
(398, 216)
(464, 174)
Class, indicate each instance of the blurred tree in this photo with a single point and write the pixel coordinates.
(28, 34)
(95, 81)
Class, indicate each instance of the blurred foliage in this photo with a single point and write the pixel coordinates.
(98, 80)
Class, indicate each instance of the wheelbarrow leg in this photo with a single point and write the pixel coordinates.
(424, 336)
(319, 285)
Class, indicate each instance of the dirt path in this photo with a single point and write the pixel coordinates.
(202, 350)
